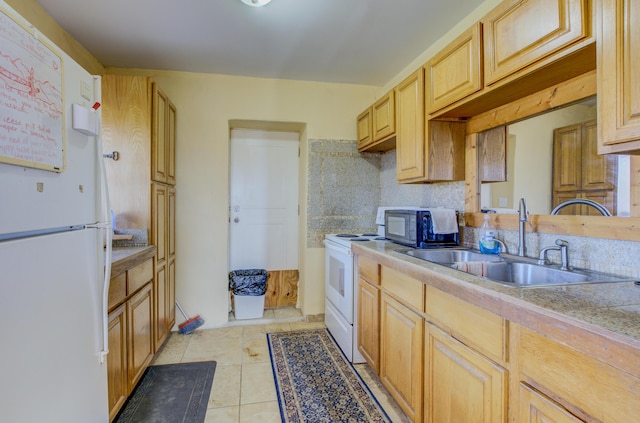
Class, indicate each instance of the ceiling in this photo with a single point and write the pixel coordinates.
(345, 41)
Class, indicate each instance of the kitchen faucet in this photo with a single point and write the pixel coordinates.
(523, 217)
(602, 209)
(563, 247)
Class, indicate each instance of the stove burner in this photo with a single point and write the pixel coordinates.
(359, 239)
(369, 235)
(347, 235)
(379, 238)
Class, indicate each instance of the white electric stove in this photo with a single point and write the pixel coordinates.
(340, 290)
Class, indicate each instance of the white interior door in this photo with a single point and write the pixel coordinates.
(263, 230)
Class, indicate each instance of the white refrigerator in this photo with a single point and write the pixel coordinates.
(53, 278)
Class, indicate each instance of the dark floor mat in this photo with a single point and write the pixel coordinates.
(170, 393)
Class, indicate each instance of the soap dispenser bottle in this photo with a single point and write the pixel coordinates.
(488, 244)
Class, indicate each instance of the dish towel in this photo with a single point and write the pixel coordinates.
(478, 268)
(444, 220)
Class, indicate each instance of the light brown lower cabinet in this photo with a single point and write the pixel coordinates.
(368, 323)
(131, 332)
(460, 384)
(117, 374)
(140, 333)
(584, 387)
(537, 408)
(453, 361)
(401, 332)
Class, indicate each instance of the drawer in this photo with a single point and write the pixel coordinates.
(369, 270)
(589, 388)
(408, 290)
(138, 276)
(117, 290)
(478, 328)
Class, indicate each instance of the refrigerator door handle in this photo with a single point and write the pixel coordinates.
(106, 220)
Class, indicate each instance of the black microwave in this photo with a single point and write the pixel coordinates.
(414, 228)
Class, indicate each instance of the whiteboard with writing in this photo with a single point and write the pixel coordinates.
(31, 103)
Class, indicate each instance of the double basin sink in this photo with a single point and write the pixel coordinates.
(510, 270)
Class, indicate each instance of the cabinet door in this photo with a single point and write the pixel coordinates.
(455, 72)
(446, 150)
(163, 236)
(170, 310)
(567, 162)
(384, 117)
(492, 155)
(162, 326)
(599, 171)
(171, 143)
(401, 365)
(518, 33)
(369, 323)
(537, 408)
(410, 145)
(618, 55)
(159, 106)
(140, 333)
(365, 128)
(117, 371)
(159, 219)
(460, 384)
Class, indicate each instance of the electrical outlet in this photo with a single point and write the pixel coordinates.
(502, 202)
(85, 90)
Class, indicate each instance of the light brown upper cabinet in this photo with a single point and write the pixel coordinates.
(365, 138)
(618, 78)
(384, 117)
(518, 33)
(456, 71)
(434, 152)
(377, 125)
(492, 155)
(410, 160)
(163, 163)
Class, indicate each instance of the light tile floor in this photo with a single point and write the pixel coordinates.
(243, 388)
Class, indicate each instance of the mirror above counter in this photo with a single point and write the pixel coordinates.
(569, 92)
(551, 158)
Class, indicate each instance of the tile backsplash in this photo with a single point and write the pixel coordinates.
(343, 191)
(602, 255)
(447, 194)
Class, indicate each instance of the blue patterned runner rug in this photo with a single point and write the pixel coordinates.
(316, 383)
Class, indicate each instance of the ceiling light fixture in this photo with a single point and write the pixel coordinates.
(255, 3)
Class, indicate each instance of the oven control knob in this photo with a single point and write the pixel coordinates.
(236, 220)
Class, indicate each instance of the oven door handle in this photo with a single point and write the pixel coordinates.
(337, 247)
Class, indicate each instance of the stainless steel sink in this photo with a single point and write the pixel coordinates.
(527, 274)
(450, 256)
(511, 270)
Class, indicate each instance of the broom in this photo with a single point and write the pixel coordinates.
(191, 324)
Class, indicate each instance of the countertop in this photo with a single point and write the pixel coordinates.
(124, 258)
(600, 319)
